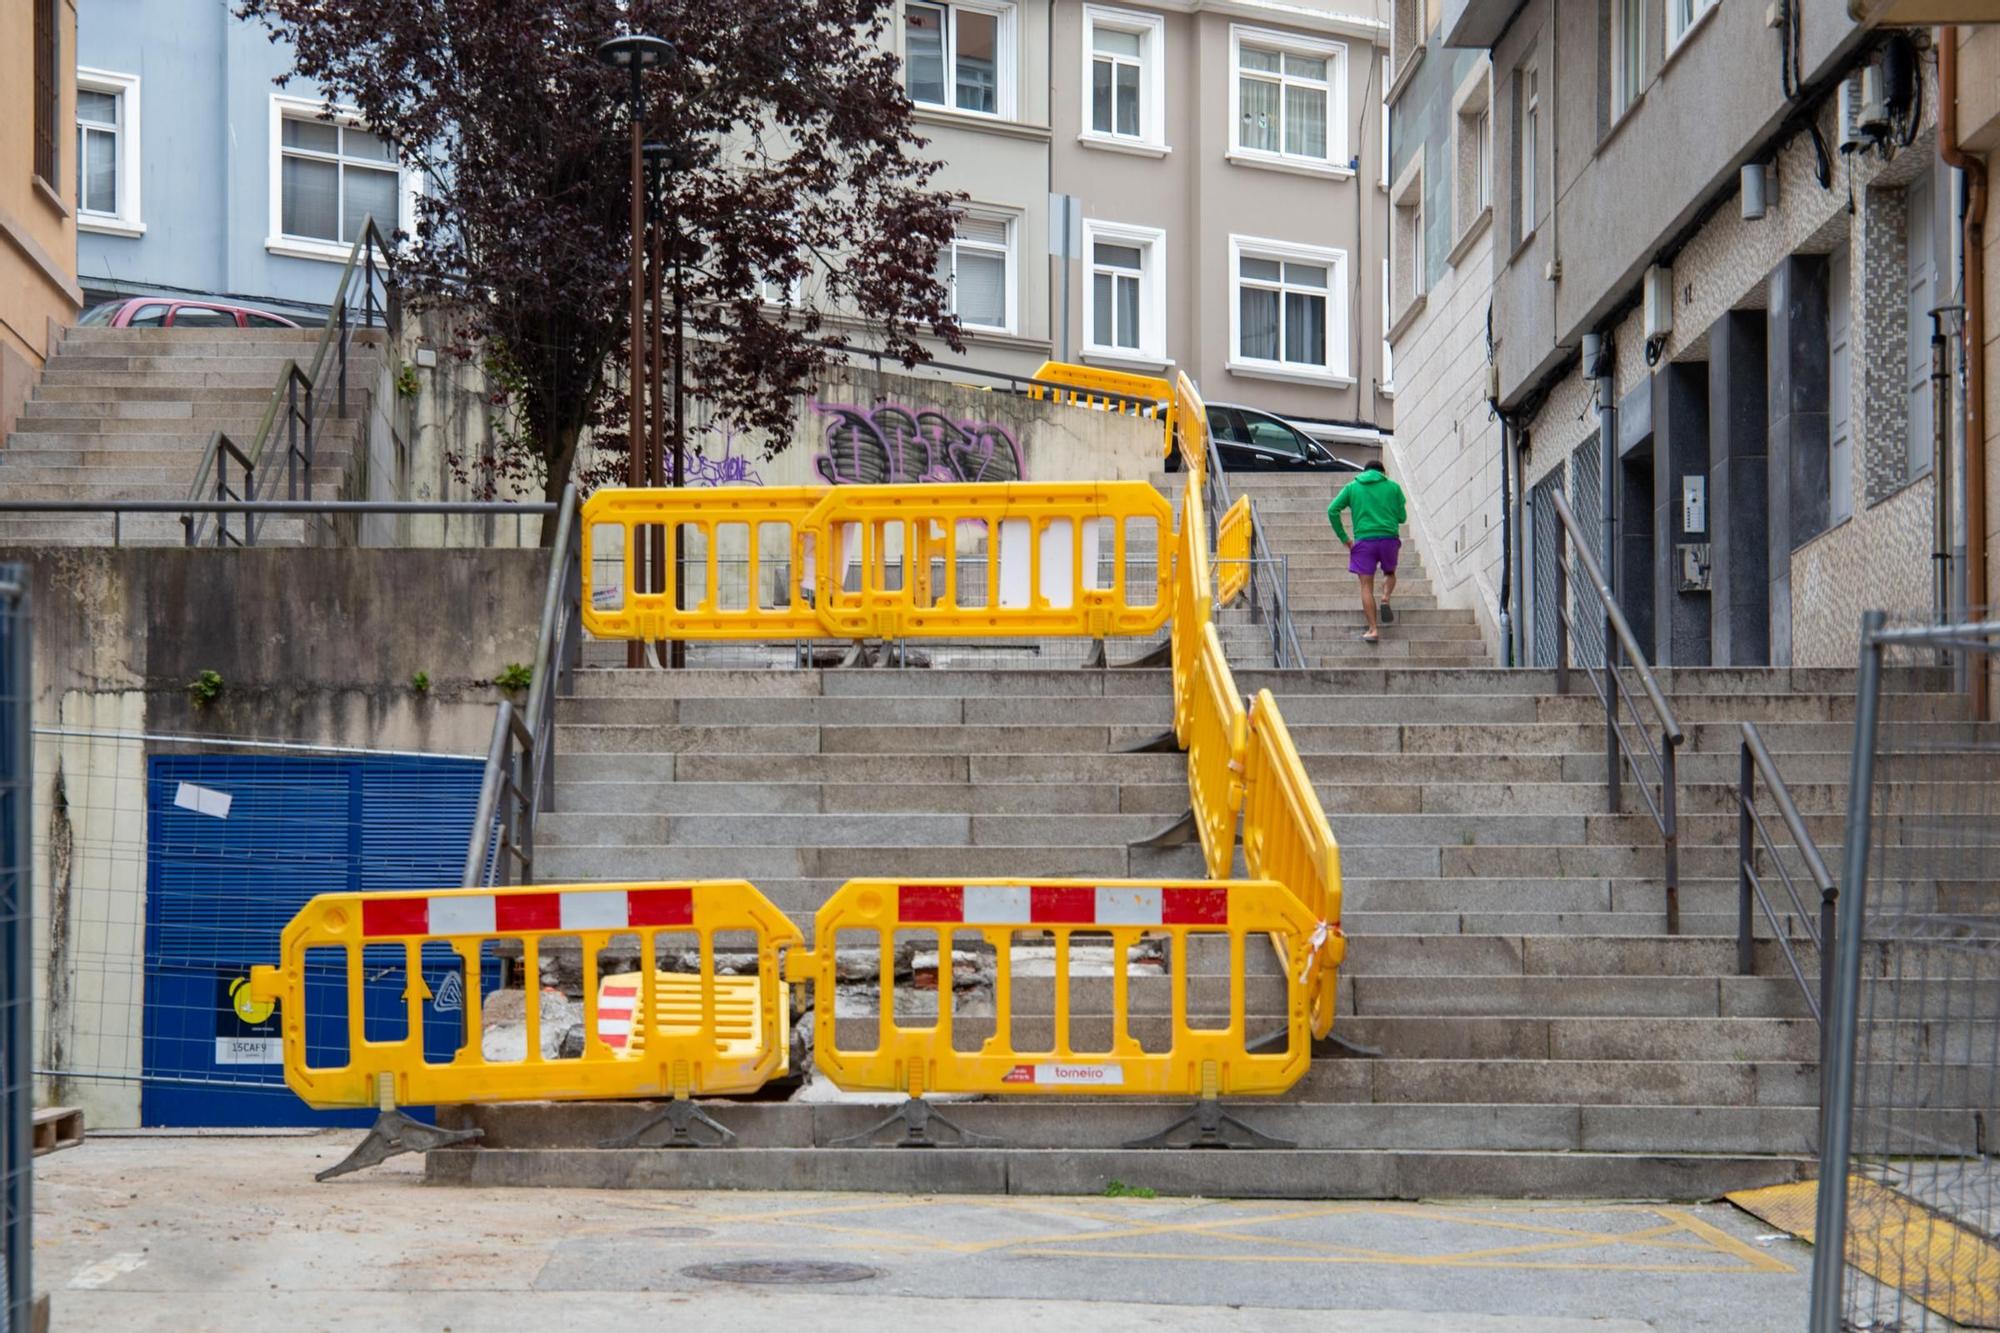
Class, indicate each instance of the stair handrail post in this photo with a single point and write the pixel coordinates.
(342, 408)
(1746, 777)
(292, 433)
(1562, 610)
(1670, 834)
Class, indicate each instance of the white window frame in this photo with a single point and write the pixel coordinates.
(1628, 22)
(1257, 247)
(1530, 84)
(1684, 16)
(1387, 386)
(1011, 254)
(129, 219)
(1338, 159)
(1472, 169)
(1151, 30)
(1004, 41)
(308, 247)
(1152, 242)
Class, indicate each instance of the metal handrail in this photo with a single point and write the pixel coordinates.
(1618, 638)
(361, 255)
(1263, 586)
(1750, 829)
(225, 449)
(520, 760)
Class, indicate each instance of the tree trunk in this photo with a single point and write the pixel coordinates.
(561, 459)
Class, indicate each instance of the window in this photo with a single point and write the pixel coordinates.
(978, 268)
(1406, 239)
(1290, 99)
(48, 92)
(1529, 93)
(1840, 389)
(1122, 89)
(1388, 381)
(960, 57)
(1289, 309)
(1124, 319)
(148, 317)
(1472, 159)
(1681, 17)
(107, 152)
(1627, 38)
(333, 175)
(1921, 273)
(1406, 36)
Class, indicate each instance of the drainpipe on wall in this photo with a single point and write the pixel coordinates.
(1973, 474)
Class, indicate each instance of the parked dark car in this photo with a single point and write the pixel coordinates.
(162, 312)
(1252, 441)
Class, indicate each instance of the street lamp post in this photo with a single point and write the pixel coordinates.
(660, 161)
(636, 52)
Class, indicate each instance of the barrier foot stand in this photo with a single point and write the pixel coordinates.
(1177, 834)
(1158, 656)
(682, 1114)
(1096, 661)
(392, 1135)
(858, 655)
(1210, 1123)
(915, 1116)
(1164, 743)
(1335, 1044)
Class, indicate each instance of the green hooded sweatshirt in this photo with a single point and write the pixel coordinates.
(1377, 503)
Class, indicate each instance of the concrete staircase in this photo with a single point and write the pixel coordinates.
(125, 414)
(1540, 1035)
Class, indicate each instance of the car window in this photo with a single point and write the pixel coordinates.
(1227, 424)
(201, 317)
(265, 322)
(1276, 436)
(100, 314)
(148, 317)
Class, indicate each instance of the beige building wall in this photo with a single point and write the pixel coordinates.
(39, 295)
(1194, 189)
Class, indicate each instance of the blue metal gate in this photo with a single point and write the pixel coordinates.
(236, 844)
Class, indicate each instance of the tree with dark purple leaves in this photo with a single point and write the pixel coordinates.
(794, 158)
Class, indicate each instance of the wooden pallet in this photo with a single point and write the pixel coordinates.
(57, 1127)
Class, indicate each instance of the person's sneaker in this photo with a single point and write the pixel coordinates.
(1387, 612)
(1366, 637)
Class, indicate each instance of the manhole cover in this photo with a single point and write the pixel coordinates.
(781, 1272)
(672, 1233)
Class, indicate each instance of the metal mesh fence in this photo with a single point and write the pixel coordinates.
(173, 865)
(16, 921)
(1586, 501)
(1542, 569)
(1910, 1182)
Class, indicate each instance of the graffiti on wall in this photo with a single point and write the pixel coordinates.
(894, 443)
(711, 466)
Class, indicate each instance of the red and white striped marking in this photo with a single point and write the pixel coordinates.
(523, 912)
(1061, 905)
(616, 1002)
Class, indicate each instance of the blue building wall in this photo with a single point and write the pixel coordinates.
(205, 160)
(1421, 118)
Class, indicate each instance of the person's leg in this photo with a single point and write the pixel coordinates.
(1367, 582)
(1392, 550)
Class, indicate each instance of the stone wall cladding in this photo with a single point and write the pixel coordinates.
(1881, 557)
(1881, 318)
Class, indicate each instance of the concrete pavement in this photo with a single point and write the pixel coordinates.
(218, 1232)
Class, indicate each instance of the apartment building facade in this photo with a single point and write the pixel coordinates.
(1448, 444)
(1192, 185)
(38, 289)
(1714, 281)
(205, 177)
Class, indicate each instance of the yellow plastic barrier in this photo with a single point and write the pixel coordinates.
(1191, 426)
(690, 1038)
(1087, 386)
(890, 562)
(1232, 552)
(959, 1053)
(1193, 603)
(766, 603)
(1286, 838)
(1216, 733)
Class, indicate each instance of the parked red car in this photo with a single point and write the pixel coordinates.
(161, 312)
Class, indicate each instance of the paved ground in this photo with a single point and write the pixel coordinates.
(231, 1232)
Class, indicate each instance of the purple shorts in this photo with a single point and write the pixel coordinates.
(1371, 553)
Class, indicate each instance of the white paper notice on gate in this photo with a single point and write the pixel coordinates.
(202, 800)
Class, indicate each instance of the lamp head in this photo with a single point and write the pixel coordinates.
(634, 50)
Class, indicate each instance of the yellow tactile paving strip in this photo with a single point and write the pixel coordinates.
(1897, 1241)
(1635, 1238)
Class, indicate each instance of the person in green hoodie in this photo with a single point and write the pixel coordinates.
(1379, 513)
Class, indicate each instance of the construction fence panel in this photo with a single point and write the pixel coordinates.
(679, 983)
(17, 1087)
(1107, 391)
(1906, 1241)
(1193, 602)
(1232, 552)
(1286, 838)
(1056, 940)
(1216, 733)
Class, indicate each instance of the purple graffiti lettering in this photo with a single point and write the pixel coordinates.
(723, 469)
(894, 443)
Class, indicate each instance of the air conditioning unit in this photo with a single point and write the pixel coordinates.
(1852, 140)
(1659, 302)
(1874, 106)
